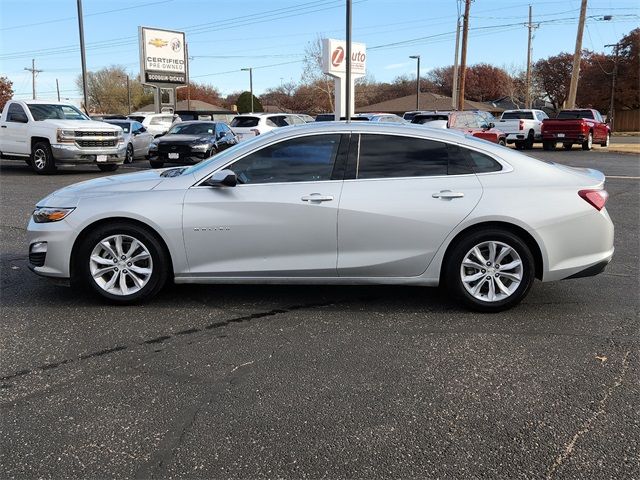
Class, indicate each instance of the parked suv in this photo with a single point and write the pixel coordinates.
(472, 122)
(156, 123)
(250, 125)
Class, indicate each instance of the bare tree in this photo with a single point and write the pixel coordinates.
(312, 74)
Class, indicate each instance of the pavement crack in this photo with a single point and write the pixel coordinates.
(587, 425)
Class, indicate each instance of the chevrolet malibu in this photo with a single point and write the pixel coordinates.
(332, 203)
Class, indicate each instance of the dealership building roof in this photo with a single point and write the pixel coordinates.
(428, 101)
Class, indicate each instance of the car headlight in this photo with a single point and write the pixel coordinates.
(66, 136)
(49, 214)
(120, 137)
(153, 146)
(201, 147)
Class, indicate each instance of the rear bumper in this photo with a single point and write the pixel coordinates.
(591, 271)
(567, 137)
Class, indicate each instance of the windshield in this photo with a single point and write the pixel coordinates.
(192, 129)
(123, 125)
(43, 111)
(517, 115)
(137, 118)
(245, 122)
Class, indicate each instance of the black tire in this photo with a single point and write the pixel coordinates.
(528, 144)
(159, 262)
(567, 146)
(520, 145)
(607, 141)
(453, 270)
(502, 142)
(549, 145)
(588, 143)
(156, 164)
(129, 154)
(42, 161)
(109, 167)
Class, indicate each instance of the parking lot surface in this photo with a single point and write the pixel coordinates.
(315, 381)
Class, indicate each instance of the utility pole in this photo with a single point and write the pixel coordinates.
(454, 88)
(615, 46)
(417, 57)
(250, 70)
(85, 88)
(463, 57)
(33, 76)
(575, 71)
(527, 100)
(58, 89)
(186, 51)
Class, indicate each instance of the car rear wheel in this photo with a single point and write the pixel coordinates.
(588, 143)
(567, 146)
(528, 144)
(548, 145)
(122, 263)
(490, 270)
(519, 145)
(502, 142)
(42, 160)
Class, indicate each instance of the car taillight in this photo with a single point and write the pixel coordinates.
(255, 131)
(597, 198)
(521, 125)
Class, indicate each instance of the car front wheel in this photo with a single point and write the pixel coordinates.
(490, 270)
(42, 160)
(122, 262)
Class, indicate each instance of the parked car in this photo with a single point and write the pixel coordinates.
(378, 117)
(584, 126)
(51, 134)
(251, 124)
(190, 142)
(136, 138)
(523, 127)
(311, 205)
(471, 122)
(306, 118)
(156, 123)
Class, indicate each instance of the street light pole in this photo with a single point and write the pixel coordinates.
(615, 46)
(85, 88)
(417, 57)
(250, 70)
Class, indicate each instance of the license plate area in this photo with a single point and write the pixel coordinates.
(174, 155)
(560, 135)
(101, 158)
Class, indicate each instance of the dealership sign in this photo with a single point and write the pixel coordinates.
(333, 57)
(163, 58)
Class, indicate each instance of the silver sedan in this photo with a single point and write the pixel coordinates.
(332, 203)
(136, 137)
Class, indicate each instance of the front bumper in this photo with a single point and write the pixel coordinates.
(71, 154)
(183, 158)
(58, 238)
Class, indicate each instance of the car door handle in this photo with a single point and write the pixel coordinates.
(447, 194)
(4, 126)
(316, 197)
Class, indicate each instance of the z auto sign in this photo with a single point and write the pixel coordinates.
(163, 56)
(333, 57)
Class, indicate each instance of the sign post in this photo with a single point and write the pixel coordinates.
(163, 63)
(334, 65)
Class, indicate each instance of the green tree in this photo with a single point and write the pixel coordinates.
(6, 91)
(244, 103)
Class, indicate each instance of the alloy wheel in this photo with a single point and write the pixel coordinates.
(39, 158)
(121, 265)
(491, 271)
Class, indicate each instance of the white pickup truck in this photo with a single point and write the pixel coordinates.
(522, 127)
(49, 134)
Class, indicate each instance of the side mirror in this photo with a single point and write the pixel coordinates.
(222, 178)
(491, 125)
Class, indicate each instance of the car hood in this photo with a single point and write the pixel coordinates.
(81, 124)
(127, 183)
(180, 138)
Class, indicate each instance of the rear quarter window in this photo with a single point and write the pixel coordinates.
(245, 122)
(481, 163)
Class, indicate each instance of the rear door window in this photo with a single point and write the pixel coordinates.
(245, 122)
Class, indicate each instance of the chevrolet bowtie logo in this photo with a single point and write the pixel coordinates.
(158, 42)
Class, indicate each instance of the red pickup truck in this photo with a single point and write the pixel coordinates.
(584, 126)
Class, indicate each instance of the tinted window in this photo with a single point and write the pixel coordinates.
(518, 115)
(137, 118)
(388, 156)
(245, 122)
(482, 163)
(575, 114)
(123, 125)
(305, 159)
(17, 111)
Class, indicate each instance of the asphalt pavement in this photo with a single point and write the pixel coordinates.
(316, 381)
